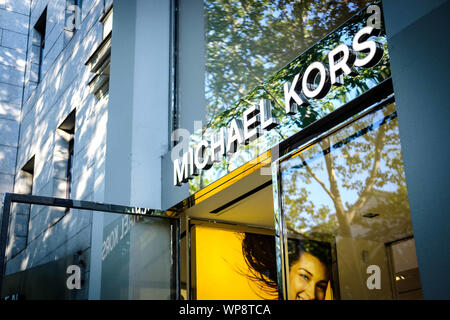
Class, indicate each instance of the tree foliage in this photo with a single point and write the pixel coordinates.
(357, 170)
(249, 40)
(255, 46)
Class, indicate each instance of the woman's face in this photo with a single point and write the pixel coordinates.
(308, 279)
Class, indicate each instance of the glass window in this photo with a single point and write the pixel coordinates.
(63, 156)
(90, 254)
(18, 235)
(346, 214)
(107, 22)
(39, 42)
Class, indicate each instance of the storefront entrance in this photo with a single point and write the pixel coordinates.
(213, 260)
(331, 222)
(328, 218)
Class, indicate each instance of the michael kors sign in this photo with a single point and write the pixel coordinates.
(314, 83)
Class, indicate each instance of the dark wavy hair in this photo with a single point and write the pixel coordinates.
(321, 250)
(260, 256)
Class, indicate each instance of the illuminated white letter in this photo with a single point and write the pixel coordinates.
(291, 93)
(341, 60)
(309, 88)
(374, 281)
(373, 49)
(251, 123)
(234, 135)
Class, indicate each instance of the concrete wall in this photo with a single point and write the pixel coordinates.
(54, 233)
(62, 89)
(419, 51)
(14, 17)
(138, 103)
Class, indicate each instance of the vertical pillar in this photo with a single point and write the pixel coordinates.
(419, 51)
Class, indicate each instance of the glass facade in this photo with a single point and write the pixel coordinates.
(246, 42)
(329, 218)
(302, 51)
(342, 222)
(105, 252)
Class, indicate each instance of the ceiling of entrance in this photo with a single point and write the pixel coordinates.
(254, 210)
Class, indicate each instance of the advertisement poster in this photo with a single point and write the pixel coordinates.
(241, 265)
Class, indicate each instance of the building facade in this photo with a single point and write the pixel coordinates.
(292, 150)
(15, 17)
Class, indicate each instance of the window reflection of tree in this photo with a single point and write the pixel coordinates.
(230, 62)
(247, 41)
(359, 169)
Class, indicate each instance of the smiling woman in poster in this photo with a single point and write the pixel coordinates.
(309, 266)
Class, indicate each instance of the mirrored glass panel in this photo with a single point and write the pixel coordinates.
(244, 42)
(259, 66)
(346, 215)
(74, 254)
